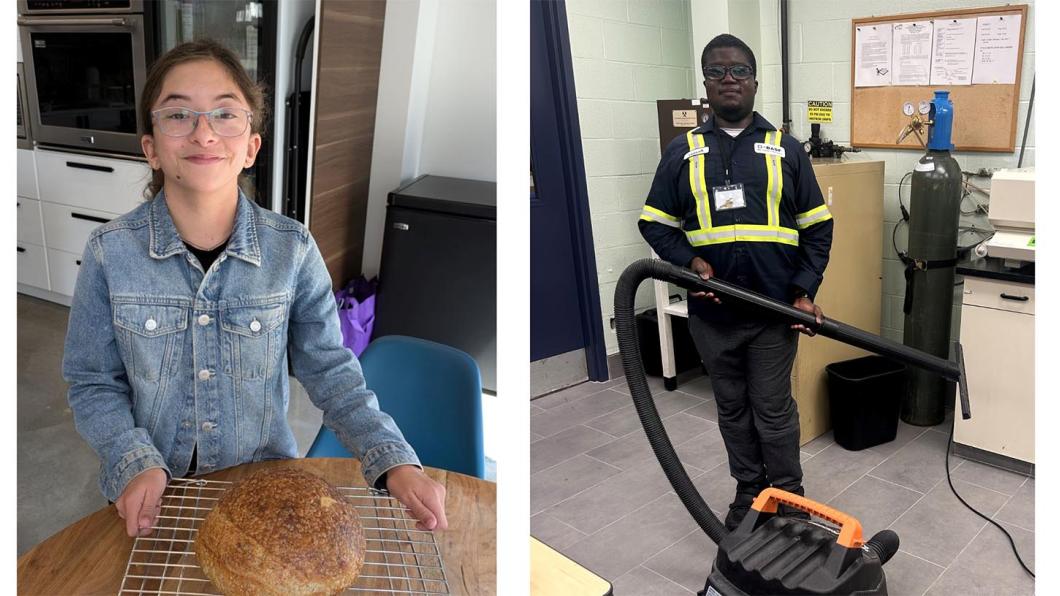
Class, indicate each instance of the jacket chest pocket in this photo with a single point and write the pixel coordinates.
(153, 338)
(252, 339)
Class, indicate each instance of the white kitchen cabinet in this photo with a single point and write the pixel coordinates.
(32, 266)
(997, 334)
(26, 171)
(67, 228)
(62, 271)
(30, 228)
(77, 193)
(100, 183)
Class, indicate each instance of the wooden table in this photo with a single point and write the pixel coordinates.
(553, 573)
(90, 555)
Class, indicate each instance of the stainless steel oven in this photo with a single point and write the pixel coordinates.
(85, 68)
(25, 137)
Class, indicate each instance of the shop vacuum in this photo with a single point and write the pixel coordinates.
(770, 554)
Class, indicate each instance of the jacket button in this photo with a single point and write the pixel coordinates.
(204, 319)
(255, 326)
(204, 375)
(151, 325)
(208, 426)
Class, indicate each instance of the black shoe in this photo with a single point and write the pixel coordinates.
(741, 504)
(735, 516)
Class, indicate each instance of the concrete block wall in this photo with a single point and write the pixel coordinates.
(626, 54)
(819, 68)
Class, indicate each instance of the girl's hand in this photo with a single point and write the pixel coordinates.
(424, 497)
(141, 501)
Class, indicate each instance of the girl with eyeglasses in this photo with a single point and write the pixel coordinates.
(189, 309)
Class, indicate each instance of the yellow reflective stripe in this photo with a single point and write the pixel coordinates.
(769, 186)
(743, 233)
(775, 180)
(813, 216)
(697, 179)
(652, 214)
(779, 192)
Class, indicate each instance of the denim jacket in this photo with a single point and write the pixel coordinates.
(161, 355)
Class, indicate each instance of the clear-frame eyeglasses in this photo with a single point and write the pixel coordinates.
(181, 122)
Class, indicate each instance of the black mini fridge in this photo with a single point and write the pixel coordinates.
(438, 274)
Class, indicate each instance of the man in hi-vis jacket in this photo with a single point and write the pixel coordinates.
(736, 198)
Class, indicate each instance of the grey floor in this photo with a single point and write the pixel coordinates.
(598, 495)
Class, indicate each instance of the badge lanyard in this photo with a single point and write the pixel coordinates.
(729, 196)
(726, 157)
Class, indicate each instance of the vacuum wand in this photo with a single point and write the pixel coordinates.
(832, 329)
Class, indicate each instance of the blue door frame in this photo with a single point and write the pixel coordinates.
(548, 27)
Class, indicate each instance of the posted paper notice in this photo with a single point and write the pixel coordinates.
(997, 42)
(911, 58)
(872, 55)
(951, 62)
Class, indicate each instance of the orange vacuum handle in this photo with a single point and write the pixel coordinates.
(850, 528)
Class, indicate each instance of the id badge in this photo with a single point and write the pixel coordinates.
(729, 197)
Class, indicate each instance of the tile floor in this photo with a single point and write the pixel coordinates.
(598, 495)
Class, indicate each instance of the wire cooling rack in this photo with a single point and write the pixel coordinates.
(399, 559)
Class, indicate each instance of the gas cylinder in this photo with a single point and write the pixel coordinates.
(930, 266)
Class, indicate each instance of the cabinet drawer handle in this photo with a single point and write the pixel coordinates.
(88, 166)
(77, 215)
(1016, 298)
(20, 249)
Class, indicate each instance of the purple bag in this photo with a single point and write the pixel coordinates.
(356, 303)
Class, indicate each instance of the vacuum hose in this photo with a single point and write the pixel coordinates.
(625, 297)
(625, 328)
(884, 544)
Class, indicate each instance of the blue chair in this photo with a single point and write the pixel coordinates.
(433, 392)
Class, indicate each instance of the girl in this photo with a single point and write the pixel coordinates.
(187, 309)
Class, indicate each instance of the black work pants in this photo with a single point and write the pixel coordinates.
(749, 363)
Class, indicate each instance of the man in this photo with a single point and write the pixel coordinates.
(738, 199)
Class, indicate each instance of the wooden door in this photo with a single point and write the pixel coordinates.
(349, 48)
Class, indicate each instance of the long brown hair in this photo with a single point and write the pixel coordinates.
(202, 49)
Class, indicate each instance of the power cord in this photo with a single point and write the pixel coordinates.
(1011, 542)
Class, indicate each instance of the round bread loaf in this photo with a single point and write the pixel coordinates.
(281, 532)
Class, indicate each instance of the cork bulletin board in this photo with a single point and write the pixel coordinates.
(984, 114)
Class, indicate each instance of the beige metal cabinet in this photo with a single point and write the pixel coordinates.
(852, 286)
(997, 334)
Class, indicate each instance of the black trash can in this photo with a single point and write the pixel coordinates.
(864, 396)
(685, 355)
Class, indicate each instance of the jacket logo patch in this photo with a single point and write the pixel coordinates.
(769, 149)
(695, 152)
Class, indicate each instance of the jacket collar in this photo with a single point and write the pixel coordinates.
(166, 241)
(757, 122)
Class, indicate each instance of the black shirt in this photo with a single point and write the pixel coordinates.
(207, 257)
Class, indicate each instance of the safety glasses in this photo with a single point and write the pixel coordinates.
(716, 72)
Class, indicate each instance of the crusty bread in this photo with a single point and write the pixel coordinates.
(282, 532)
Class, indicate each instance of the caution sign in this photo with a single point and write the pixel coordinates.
(819, 111)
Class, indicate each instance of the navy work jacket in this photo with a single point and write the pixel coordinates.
(777, 244)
